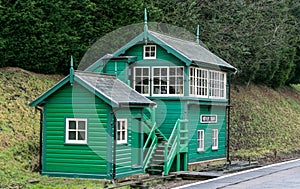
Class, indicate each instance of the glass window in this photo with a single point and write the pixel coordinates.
(215, 139)
(200, 140)
(198, 82)
(167, 81)
(217, 84)
(141, 81)
(76, 130)
(150, 52)
(122, 131)
(207, 83)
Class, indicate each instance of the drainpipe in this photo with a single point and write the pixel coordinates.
(115, 148)
(228, 124)
(41, 136)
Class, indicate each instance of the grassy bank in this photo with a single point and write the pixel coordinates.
(264, 121)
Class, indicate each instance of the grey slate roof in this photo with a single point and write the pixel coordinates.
(113, 89)
(191, 50)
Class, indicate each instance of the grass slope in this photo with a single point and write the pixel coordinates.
(263, 120)
(19, 132)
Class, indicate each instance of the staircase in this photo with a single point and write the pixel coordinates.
(160, 152)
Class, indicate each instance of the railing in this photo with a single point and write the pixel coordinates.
(151, 148)
(177, 143)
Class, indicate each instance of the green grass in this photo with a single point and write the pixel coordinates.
(297, 87)
(264, 121)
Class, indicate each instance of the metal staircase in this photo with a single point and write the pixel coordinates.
(160, 152)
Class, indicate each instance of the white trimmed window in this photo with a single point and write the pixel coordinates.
(76, 130)
(207, 83)
(200, 140)
(215, 134)
(217, 84)
(122, 128)
(141, 81)
(198, 82)
(167, 81)
(149, 51)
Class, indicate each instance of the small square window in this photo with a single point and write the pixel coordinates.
(150, 52)
(76, 131)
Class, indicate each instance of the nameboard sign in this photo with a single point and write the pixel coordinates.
(209, 118)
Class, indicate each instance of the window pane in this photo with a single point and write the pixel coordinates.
(81, 125)
(72, 124)
(147, 48)
(81, 135)
(152, 48)
(138, 71)
(146, 71)
(72, 135)
(123, 135)
(118, 136)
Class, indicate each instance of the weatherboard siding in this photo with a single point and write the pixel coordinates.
(167, 113)
(124, 156)
(194, 125)
(75, 159)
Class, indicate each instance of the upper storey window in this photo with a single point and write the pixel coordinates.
(149, 51)
(207, 83)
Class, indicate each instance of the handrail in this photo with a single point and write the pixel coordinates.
(175, 144)
(154, 139)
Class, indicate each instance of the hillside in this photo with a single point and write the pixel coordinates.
(264, 121)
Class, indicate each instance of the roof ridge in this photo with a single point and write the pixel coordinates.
(95, 74)
(175, 38)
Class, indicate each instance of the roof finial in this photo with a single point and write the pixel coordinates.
(197, 34)
(145, 25)
(71, 71)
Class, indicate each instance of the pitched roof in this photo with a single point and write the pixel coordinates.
(187, 51)
(193, 51)
(107, 87)
(113, 89)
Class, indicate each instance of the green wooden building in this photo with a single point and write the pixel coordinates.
(156, 105)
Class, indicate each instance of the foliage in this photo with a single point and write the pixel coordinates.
(260, 38)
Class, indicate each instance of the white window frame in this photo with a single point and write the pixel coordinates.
(142, 77)
(200, 140)
(150, 51)
(76, 130)
(198, 82)
(216, 85)
(168, 84)
(215, 139)
(120, 130)
(207, 83)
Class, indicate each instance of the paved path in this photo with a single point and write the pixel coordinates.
(285, 175)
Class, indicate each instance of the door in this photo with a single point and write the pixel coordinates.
(137, 141)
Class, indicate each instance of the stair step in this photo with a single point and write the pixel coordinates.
(155, 170)
(156, 165)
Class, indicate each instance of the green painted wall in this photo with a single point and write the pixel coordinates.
(167, 113)
(119, 68)
(76, 160)
(194, 124)
(126, 160)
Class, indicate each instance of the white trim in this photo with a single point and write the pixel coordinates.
(144, 52)
(122, 140)
(76, 130)
(200, 149)
(217, 81)
(215, 139)
(134, 78)
(167, 81)
(193, 83)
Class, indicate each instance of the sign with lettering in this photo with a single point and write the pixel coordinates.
(209, 118)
